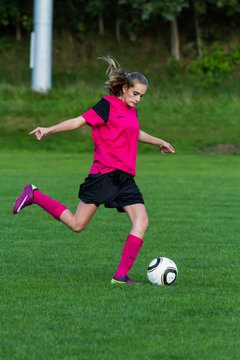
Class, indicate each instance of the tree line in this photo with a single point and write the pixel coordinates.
(201, 21)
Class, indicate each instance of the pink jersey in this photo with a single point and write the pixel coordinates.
(115, 131)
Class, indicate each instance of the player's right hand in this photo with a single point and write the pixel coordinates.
(39, 132)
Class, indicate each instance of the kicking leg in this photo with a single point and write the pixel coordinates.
(77, 222)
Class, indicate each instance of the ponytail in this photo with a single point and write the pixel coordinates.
(117, 77)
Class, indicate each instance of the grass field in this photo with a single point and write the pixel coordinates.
(56, 298)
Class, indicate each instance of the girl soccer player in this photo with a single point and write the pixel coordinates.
(115, 134)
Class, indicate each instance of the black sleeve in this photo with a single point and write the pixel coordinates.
(102, 109)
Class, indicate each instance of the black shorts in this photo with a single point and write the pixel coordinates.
(115, 190)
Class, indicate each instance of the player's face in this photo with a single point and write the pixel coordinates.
(133, 95)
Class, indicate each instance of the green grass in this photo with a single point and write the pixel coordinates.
(56, 298)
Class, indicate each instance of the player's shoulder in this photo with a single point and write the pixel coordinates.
(102, 108)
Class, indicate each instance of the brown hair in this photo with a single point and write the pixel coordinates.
(117, 77)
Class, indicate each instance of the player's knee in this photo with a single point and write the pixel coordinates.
(78, 227)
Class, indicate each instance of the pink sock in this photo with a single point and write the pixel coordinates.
(130, 251)
(52, 206)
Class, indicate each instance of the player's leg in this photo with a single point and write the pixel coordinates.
(139, 219)
(76, 222)
(32, 195)
(138, 216)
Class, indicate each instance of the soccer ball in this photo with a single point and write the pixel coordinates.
(162, 271)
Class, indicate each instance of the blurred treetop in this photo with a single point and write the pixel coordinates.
(182, 21)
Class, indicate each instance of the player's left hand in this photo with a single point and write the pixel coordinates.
(166, 148)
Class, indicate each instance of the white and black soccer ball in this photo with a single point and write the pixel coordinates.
(162, 271)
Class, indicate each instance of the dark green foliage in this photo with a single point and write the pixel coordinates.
(215, 65)
(124, 19)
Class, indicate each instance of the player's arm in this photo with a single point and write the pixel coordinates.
(67, 125)
(164, 146)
